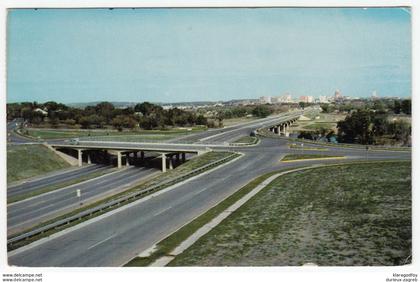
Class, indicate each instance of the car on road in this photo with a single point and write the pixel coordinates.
(74, 141)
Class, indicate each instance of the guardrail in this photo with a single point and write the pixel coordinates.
(115, 203)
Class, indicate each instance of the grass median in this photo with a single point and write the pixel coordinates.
(187, 167)
(246, 140)
(100, 134)
(341, 215)
(301, 157)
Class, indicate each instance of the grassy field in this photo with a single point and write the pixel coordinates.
(24, 161)
(234, 121)
(356, 214)
(320, 125)
(109, 134)
(318, 121)
(294, 157)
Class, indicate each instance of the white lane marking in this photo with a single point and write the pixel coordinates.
(199, 191)
(162, 211)
(112, 212)
(103, 241)
(65, 188)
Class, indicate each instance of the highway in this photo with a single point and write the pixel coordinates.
(120, 235)
(29, 212)
(53, 178)
(116, 237)
(228, 134)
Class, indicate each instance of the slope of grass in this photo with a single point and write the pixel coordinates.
(353, 214)
(24, 161)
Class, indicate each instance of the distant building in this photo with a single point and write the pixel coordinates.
(306, 99)
(323, 99)
(337, 95)
(286, 98)
(374, 95)
(39, 110)
(265, 100)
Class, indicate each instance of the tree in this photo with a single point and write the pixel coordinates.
(92, 121)
(397, 107)
(201, 120)
(327, 108)
(401, 131)
(356, 128)
(261, 111)
(123, 121)
(406, 107)
(105, 110)
(147, 108)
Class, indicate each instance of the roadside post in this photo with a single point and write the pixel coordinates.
(78, 195)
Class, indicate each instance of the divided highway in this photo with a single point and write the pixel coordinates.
(123, 233)
(53, 178)
(115, 237)
(29, 212)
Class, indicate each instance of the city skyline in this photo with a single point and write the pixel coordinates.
(172, 55)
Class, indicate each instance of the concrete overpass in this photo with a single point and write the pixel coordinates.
(282, 127)
(123, 150)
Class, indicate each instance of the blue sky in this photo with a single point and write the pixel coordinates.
(169, 55)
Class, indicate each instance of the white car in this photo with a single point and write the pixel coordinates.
(74, 141)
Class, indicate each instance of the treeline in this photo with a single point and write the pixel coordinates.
(369, 127)
(365, 127)
(380, 105)
(143, 115)
(260, 111)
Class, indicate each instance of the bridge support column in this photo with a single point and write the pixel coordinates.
(177, 157)
(142, 155)
(279, 130)
(127, 159)
(79, 156)
(163, 162)
(88, 159)
(170, 163)
(183, 157)
(286, 132)
(119, 163)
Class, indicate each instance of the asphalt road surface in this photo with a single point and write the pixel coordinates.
(53, 178)
(122, 234)
(29, 212)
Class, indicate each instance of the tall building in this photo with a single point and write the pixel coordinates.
(374, 94)
(306, 99)
(337, 95)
